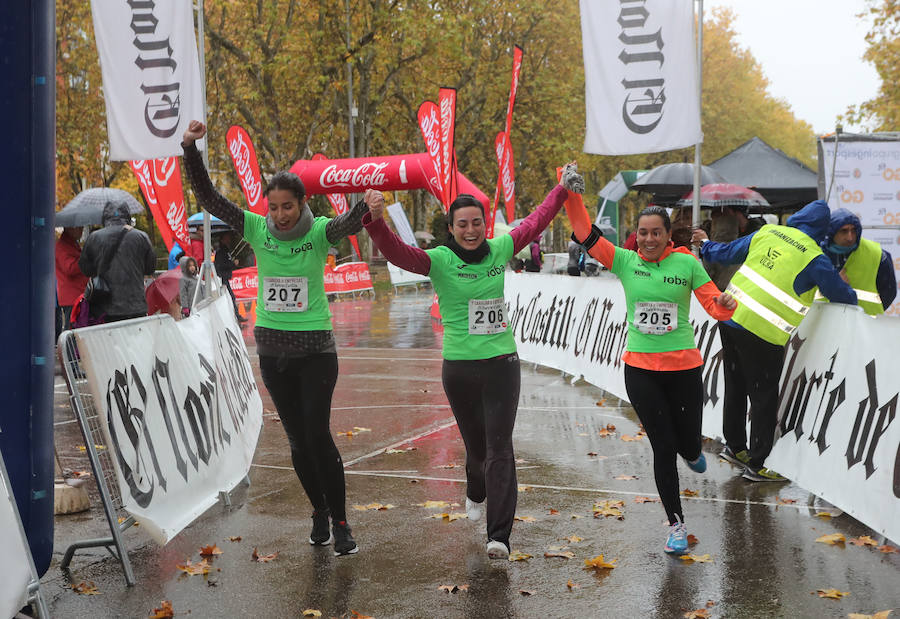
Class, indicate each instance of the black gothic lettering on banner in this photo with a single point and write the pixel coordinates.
(235, 376)
(154, 54)
(863, 432)
(644, 86)
(705, 335)
(138, 479)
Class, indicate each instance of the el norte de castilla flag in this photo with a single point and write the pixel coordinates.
(640, 75)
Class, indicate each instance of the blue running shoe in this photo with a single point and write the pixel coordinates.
(698, 465)
(677, 542)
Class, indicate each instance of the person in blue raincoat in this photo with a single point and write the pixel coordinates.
(862, 263)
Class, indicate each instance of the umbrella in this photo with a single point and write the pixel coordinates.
(725, 194)
(162, 291)
(86, 209)
(671, 180)
(424, 235)
(215, 224)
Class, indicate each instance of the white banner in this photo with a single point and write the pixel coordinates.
(839, 440)
(401, 224)
(181, 411)
(15, 557)
(640, 76)
(151, 75)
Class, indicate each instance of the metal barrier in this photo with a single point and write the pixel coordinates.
(88, 416)
(33, 595)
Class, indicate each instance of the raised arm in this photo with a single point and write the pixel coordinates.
(347, 223)
(405, 256)
(206, 194)
(538, 219)
(586, 234)
(719, 305)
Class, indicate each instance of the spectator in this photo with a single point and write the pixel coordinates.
(862, 263)
(187, 287)
(727, 224)
(70, 281)
(122, 256)
(225, 266)
(573, 268)
(175, 255)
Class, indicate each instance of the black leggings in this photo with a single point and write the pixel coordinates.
(670, 406)
(484, 396)
(301, 390)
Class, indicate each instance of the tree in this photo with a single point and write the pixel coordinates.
(882, 113)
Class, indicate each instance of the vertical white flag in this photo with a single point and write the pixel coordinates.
(151, 75)
(640, 76)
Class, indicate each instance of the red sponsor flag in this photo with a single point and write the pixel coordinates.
(160, 181)
(429, 117)
(243, 156)
(338, 202)
(447, 105)
(504, 152)
(513, 88)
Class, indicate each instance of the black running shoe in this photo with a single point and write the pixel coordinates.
(344, 544)
(320, 535)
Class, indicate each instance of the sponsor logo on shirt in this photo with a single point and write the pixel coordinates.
(640, 273)
(467, 275)
(496, 270)
(305, 247)
(270, 244)
(675, 281)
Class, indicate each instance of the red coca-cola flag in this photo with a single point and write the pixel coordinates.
(338, 202)
(160, 181)
(447, 105)
(513, 88)
(429, 117)
(243, 156)
(504, 152)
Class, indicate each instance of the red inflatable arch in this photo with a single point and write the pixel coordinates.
(392, 173)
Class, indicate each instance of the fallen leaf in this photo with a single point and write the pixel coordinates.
(630, 439)
(692, 539)
(525, 518)
(696, 558)
(888, 549)
(575, 516)
(312, 612)
(561, 554)
(552, 512)
(834, 538)
(373, 506)
(194, 569)
(592, 454)
(235, 538)
(213, 583)
(599, 563)
(85, 588)
(453, 588)
(448, 517)
(452, 465)
(879, 615)
(832, 594)
(781, 501)
(602, 402)
(518, 556)
(526, 592)
(356, 615)
(863, 540)
(689, 492)
(626, 477)
(433, 504)
(210, 551)
(357, 429)
(700, 613)
(646, 499)
(348, 434)
(165, 611)
(81, 474)
(824, 515)
(572, 539)
(710, 603)
(524, 488)
(263, 558)
(571, 585)
(606, 432)
(609, 508)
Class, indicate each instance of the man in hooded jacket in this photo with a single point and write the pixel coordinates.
(781, 267)
(125, 256)
(862, 263)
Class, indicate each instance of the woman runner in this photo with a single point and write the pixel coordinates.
(294, 339)
(662, 362)
(481, 368)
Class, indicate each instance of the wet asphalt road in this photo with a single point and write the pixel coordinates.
(764, 558)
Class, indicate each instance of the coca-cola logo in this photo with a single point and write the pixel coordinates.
(446, 127)
(352, 277)
(504, 159)
(163, 170)
(429, 124)
(365, 175)
(142, 171)
(244, 163)
(177, 221)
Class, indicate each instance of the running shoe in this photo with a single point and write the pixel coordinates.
(497, 550)
(474, 510)
(320, 535)
(698, 465)
(763, 474)
(344, 544)
(741, 458)
(677, 543)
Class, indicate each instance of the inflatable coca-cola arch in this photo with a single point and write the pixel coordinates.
(391, 173)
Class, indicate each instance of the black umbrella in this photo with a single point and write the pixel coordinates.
(86, 209)
(671, 180)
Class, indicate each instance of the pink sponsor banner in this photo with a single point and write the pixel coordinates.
(347, 277)
(243, 156)
(503, 150)
(447, 105)
(338, 202)
(429, 117)
(170, 193)
(513, 89)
